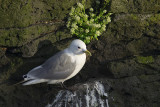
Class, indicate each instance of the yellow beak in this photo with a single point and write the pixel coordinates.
(87, 52)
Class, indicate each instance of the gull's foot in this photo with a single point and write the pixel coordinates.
(72, 89)
(63, 86)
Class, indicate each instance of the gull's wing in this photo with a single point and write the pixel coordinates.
(57, 67)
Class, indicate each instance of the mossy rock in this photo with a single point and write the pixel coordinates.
(135, 6)
(125, 68)
(145, 60)
(148, 78)
(26, 21)
(18, 14)
(18, 37)
(25, 13)
(135, 31)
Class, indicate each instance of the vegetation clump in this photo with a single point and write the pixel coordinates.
(145, 60)
(88, 25)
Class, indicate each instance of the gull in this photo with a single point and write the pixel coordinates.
(60, 67)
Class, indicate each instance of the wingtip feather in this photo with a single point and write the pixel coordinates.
(36, 81)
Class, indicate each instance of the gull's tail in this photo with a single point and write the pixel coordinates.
(34, 81)
(30, 81)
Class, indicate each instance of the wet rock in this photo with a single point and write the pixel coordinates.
(86, 95)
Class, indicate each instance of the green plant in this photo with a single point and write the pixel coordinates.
(88, 25)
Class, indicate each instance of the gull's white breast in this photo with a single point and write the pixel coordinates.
(80, 61)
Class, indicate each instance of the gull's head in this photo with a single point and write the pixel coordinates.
(78, 47)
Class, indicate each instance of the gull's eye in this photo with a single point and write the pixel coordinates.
(79, 47)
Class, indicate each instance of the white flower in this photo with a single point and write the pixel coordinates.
(72, 30)
(92, 15)
(73, 25)
(92, 25)
(91, 20)
(71, 13)
(68, 24)
(72, 9)
(87, 22)
(76, 27)
(85, 16)
(91, 9)
(87, 30)
(87, 38)
(108, 19)
(104, 21)
(98, 33)
(80, 5)
(97, 25)
(109, 14)
(77, 18)
(104, 11)
(103, 27)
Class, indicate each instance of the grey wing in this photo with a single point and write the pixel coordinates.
(58, 66)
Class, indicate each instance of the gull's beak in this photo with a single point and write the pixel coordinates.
(87, 52)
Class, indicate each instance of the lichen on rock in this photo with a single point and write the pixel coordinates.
(145, 60)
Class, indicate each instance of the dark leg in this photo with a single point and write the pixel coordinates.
(64, 86)
(69, 89)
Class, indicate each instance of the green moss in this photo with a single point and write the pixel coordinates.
(145, 60)
(22, 21)
(135, 6)
(134, 16)
(129, 26)
(15, 13)
(154, 19)
(19, 37)
(27, 12)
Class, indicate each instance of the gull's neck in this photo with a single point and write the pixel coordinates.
(68, 50)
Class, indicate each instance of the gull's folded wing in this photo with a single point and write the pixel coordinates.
(57, 67)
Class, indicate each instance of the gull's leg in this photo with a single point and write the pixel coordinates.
(64, 86)
(69, 89)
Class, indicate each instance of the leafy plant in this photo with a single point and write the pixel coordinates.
(88, 25)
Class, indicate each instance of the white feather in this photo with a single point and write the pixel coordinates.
(36, 81)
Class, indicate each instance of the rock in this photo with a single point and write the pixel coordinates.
(126, 58)
(3, 59)
(86, 95)
(135, 6)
